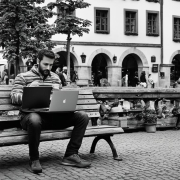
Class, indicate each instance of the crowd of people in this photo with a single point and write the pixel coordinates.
(63, 75)
(135, 81)
(99, 80)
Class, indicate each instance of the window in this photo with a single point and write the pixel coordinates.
(102, 20)
(176, 29)
(131, 22)
(152, 23)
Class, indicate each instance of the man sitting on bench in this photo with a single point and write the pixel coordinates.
(34, 122)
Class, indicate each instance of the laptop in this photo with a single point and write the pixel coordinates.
(61, 102)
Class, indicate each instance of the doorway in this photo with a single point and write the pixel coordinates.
(175, 70)
(99, 68)
(130, 67)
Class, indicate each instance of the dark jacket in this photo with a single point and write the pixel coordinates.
(135, 81)
(143, 78)
(61, 77)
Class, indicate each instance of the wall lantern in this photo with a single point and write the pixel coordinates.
(114, 59)
(83, 57)
(153, 58)
(162, 74)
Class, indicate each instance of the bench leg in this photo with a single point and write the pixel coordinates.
(109, 141)
(94, 121)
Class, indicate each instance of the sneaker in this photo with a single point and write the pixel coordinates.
(35, 166)
(75, 160)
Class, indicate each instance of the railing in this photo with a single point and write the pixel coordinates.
(167, 99)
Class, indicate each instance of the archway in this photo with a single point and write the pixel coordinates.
(175, 70)
(139, 53)
(130, 66)
(99, 67)
(106, 62)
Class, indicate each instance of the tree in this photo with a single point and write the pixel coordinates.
(67, 23)
(24, 29)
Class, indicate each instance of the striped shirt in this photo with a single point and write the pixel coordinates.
(25, 79)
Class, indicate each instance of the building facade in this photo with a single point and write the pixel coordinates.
(126, 36)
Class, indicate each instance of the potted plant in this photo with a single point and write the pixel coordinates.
(149, 118)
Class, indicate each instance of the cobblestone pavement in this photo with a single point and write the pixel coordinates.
(146, 156)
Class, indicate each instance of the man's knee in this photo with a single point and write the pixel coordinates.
(34, 120)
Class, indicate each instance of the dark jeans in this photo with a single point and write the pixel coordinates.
(34, 122)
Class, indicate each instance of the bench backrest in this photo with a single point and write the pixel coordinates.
(9, 112)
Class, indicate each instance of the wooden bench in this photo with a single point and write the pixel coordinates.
(12, 134)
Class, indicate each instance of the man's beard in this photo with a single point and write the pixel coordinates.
(44, 72)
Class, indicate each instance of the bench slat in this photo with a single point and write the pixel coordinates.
(93, 114)
(4, 94)
(5, 101)
(83, 107)
(85, 97)
(80, 101)
(8, 107)
(21, 139)
(5, 104)
(6, 88)
(19, 132)
(86, 101)
(16, 118)
(87, 91)
(81, 91)
(9, 118)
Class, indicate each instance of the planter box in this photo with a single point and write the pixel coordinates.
(116, 121)
(133, 123)
(167, 122)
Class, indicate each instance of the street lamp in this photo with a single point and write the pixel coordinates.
(83, 57)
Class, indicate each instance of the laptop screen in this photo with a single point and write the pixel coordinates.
(36, 97)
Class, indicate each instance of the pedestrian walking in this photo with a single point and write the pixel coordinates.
(143, 81)
(97, 78)
(61, 76)
(135, 80)
(74, 76)
(150, 82)
(64, 71)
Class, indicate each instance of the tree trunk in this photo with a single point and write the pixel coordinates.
(68, 57)
(17, 68)
(16, 64)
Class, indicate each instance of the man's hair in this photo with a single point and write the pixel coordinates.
(47, 53)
